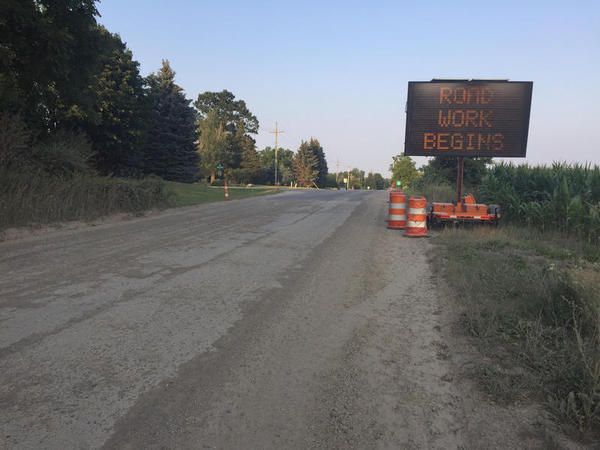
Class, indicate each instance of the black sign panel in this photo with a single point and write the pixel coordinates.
(468, 118)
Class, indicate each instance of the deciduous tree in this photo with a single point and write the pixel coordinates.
(228, 110)
(235, 119)
(284, 165)
(48, 55)
(375, 181)
(403, 168)
(212, 145)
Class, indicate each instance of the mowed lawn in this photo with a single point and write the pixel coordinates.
(185, 194)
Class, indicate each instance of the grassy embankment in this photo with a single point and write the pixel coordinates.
(532, 300)
(37, 198)
(529, 291)
(183, 194)
(50, 179)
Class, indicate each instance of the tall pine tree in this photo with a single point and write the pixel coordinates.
(305, 165)
(170, 149)
(315, 147)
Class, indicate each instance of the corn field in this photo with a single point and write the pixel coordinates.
(559, 197)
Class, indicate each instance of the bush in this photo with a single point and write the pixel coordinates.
(49, 180)
(64, 154)
(15, 140)
(29, 198)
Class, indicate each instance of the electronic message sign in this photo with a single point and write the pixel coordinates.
(467, 118)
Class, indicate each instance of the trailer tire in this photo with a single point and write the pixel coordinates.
(493, 209)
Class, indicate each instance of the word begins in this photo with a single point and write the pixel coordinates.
(463, 141)
(466, 96)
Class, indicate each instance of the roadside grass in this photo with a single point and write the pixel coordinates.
(186, 194)
(532, 301)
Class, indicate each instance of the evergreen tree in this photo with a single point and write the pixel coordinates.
(315, 147)
(305, 165)
(117, 124)
(170, 150)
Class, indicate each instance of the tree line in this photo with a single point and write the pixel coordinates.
(75, 90)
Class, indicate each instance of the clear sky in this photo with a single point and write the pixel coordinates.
(338, 70)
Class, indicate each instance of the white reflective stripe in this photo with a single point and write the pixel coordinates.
(453, 217)
(416, 210)
(398, 205)
(477, 217)
(413, 224)
(395, 217)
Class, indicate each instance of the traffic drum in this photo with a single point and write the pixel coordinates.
(397, 216)
(416, 224)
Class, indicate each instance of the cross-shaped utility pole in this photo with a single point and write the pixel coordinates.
(276, 132)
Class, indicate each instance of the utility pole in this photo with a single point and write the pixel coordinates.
(348, 180)
(276, 132)
(337, 169)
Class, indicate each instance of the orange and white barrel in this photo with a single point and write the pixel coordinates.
(416, 223)
(397, 216)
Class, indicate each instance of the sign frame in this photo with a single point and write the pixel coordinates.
(516, 110)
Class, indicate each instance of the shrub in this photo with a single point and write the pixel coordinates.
(29, 198)
(15, 141)
(64, 154)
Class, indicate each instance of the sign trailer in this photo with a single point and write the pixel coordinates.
(467, 119)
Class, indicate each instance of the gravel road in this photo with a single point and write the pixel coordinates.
(290, 321)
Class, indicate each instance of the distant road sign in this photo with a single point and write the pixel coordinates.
(468, 118)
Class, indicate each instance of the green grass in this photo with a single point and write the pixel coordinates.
(536, 298)
(186, 194)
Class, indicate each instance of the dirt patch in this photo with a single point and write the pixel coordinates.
(18, 233)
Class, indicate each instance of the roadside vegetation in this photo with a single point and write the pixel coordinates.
(561, 197)
(186, 194)
(532, 300)
(529, 291)
(84, 134)
(50, 179)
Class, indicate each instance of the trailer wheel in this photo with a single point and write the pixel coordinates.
(493, 209)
